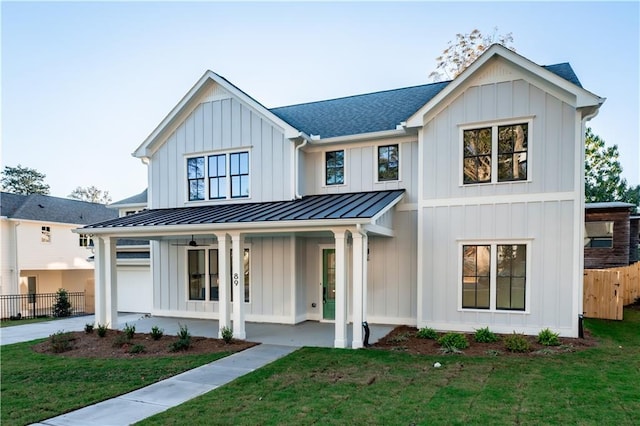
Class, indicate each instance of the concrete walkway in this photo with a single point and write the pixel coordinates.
(277, 341)
(153, 399)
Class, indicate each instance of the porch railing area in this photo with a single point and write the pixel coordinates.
(39, 305)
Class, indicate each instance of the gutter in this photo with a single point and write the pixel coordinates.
(400, 130)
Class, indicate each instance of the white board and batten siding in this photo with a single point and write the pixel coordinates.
(216, 125)
(540, 211)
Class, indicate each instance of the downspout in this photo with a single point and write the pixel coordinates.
(580, 224)
(16, 271)
(365, 324)
(296, 170)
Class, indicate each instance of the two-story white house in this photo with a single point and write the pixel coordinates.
(454, 205)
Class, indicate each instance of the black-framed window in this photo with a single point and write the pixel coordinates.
(511, 276)
(476, 276)
(598, 234)
(195, 178)
(494, 276)
(334, 167)
(203, 269)
(388, 163)
(239, 165)
(507, 145)
(217, 176)
(45, 234)
(227, 176)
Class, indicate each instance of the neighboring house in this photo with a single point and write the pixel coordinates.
(135, 291)
(611, 235)
(454, 205)
(40, 254)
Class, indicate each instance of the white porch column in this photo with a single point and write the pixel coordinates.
(99, 282)
(359, 286)
(237, 282)
(341, 289)
(223, 283)
(111, 283)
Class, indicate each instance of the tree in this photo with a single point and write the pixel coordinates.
(91, 194)
(467, 48)
(23, 180)
(602, 178)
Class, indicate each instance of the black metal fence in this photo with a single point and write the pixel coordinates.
(39, 305)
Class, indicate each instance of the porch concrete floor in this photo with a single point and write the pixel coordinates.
(308, 333)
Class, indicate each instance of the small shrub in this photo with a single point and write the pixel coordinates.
(120, 340)
(62, 306)
(493, 352)
(484, 335)
(156, 332)
(545, 351)
(129, 330)
(548, 338)
(102, 329)
(88, 328)
(227, 335)
(455, 340)
(516, 342)
(61, 341)
(427, 333)
(137, 349)
(184, 340)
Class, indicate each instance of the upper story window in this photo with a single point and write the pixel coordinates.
(227, 176)
(85, 240)
(45, 234)
(598, 234)
(388, 163)
(495, 153)
(334, 167)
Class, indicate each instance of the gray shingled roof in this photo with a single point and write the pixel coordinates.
(140, 198)
(313, 207)
(53, 209)
(373, 112)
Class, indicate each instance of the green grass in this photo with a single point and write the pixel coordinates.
(39, 386)
(332, 386)
(11, 323)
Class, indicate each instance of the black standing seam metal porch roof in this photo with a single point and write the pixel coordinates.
(360, 205)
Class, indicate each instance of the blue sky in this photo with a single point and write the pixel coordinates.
(83, 84)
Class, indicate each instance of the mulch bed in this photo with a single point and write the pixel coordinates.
(85, 345)
(403, 339)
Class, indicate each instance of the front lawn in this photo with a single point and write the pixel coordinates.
(330, 386)
(38, 386)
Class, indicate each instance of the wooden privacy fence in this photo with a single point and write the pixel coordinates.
(606, 291)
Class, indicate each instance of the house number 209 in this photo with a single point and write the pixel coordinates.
(235, 278)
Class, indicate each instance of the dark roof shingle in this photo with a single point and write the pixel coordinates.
(53, 209)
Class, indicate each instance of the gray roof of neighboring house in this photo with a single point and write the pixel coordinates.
(45, 208)
(140, 198)
(373, 112)
(609, 205)
(312, 207)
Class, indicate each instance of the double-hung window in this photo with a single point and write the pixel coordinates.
(218, 176)
(334, 167)
(203, 271)
(497, 153)
(45, 234)
(388, 163)
(494, 276)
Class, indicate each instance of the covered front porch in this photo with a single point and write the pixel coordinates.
(343, 222)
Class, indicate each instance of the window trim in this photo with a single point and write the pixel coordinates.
(494, 124)
(376, 163)
(227, 153)
(493, 269)
(324, 168)
(207, 288)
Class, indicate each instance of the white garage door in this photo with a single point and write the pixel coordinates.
(135, 292)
